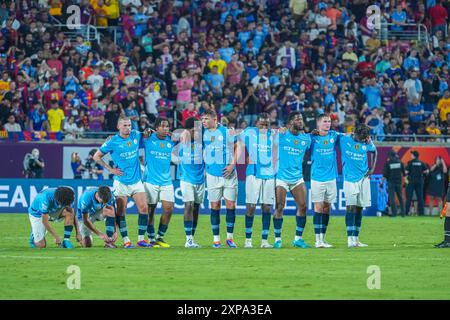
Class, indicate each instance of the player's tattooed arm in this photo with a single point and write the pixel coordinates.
(98, 159)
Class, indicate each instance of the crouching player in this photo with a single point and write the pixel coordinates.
(97, 204)
(356, 171)
(52, 204)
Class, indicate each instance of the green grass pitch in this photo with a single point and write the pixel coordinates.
(401, 247)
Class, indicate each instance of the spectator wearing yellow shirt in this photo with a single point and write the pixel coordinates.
(101, 10)
(55, 117)
(432, 129)
(113, 11)
(444, 105)
(217, 62)
(349, 55)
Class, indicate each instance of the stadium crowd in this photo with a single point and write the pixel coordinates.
(180, 58)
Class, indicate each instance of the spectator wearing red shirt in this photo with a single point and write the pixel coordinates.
(53, 94)
(189, 112)
(439, 17)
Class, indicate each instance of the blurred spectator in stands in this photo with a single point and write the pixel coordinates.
(416, 114)
(444, 105)
(112, 115)
(11, 125)
(96, 117)
(55, 117)
(70, 129)
(439, 17)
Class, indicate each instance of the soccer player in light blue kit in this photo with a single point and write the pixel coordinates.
(260, 176)
(323, 176)
(97, 204)
(221, 178)
(124, 150)
(355, 166)
(52, 204)
(292, 146)
(192, 178)
(158, 179)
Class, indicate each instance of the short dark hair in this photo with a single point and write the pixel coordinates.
(323, 115)
(160, 120)
(292, 115)
(210, 112)
(64, 196)
(104, 192)
(362, 131)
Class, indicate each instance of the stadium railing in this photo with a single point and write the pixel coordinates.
(410, 31)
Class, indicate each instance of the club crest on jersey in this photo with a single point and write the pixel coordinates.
(129, 144)
(220, 138)
(364, 148)
(332, 140)
(303, 143)
(169, 145)
(135, 141)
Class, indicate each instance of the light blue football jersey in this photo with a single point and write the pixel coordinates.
(158, 154)
(88, 204)
(354, 157)
(218, 150)
(192, 166)
(44, 203)
(323, 156)
(291, 151)
(259, 146)
(125, 155)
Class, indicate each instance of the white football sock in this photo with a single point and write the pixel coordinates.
(298, 238)
(141, 237)
(216, 238)
(277, 238)
(126, 239)
(229, 235)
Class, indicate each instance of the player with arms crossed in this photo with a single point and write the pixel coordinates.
(356, 171)
(260, 182)
(158, 180)
(52, 204)
(323, 176)
(220, 154)
(97, 204)
(292, 146)
(124, 150)
(192, 179)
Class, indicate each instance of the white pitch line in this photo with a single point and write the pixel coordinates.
(37, 257)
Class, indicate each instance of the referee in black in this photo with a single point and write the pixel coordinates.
(415, 171)
(446, 242)
(393, 173)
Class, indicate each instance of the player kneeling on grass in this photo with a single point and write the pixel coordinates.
(355, 166)
(192, 179)
(52, 204)
(446, 213)
(97, 204)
